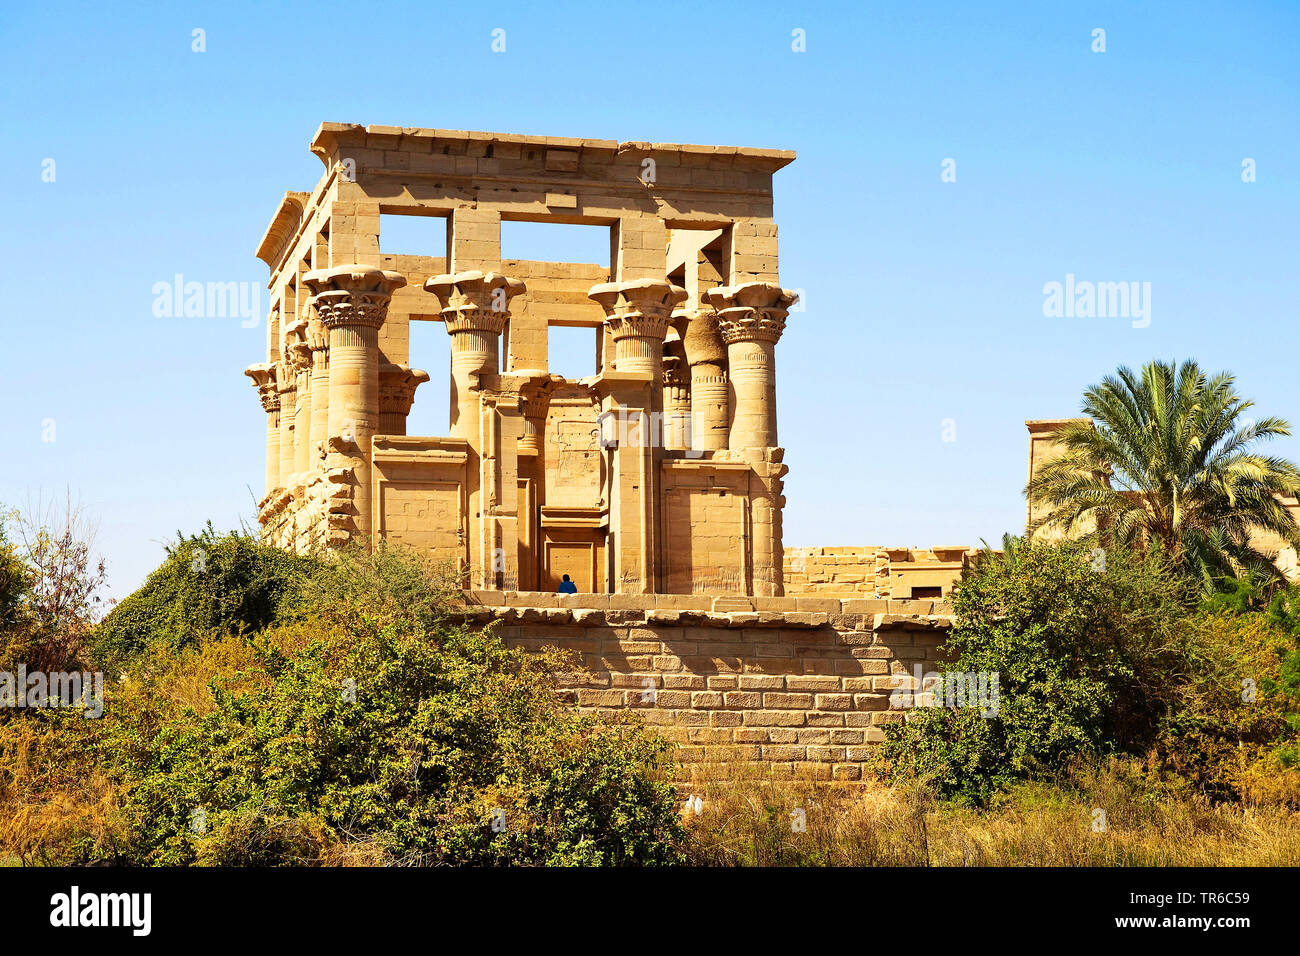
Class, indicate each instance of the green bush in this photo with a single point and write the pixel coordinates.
(208, 583)
(1089, 661)
(335, 711)
(408, 741)
(13, 581)
(14, 577)
(1237, 734)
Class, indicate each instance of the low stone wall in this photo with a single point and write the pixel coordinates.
(803, 683)
(874, 572)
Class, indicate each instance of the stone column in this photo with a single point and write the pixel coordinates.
(537, 402)
(263, 376)
(318, 340)
(707, 356)
(677, 403)
(298, 356)
(751, 318)
(636, 318)
(286, 379)
(501, 425)
(352, 302)
(522, 402)
(475, 307)
(397, 385)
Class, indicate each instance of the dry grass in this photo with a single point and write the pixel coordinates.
(56, 808)
(748, 819)
(51, 802)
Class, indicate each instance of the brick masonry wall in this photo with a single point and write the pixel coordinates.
(802, 683)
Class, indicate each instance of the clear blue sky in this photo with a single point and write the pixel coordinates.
(925, 298)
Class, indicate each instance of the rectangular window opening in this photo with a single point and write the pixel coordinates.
(407, 234)
(431, 351)
(555, 242)
(571, 351)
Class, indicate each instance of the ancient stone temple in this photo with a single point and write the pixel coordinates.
(655, 484)
(659, 474)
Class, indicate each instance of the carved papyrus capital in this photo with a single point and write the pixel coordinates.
(297, 351)
(264, 379)
(474, 301)
(352, 295)
(286, 376)
(751, 312)
(676, 372)
(397, 385)
(641, 308)
(316, 335)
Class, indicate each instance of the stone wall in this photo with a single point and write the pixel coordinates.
(900, 573)
(802, 683)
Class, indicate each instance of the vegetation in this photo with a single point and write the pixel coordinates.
(1096, 661)
(209, 585)
(1169, 462)
(273, 709)
(357, 722)
(410, 759)
(50, 581)
(1084, 660)
(747, 820)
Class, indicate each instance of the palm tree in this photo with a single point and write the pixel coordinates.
(1167, 461)
(1008, 554)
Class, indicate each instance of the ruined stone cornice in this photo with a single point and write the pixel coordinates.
(751, 311)
(330, 138)
(283, 228)
(1038, 426)
(420, 448)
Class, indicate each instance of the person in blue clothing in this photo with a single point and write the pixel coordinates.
(567, 587)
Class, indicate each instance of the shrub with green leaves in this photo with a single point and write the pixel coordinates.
(1237, 735)
(13, 580)
(442, 747)
(209, 583)
(1090, 659)
(334, 711)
